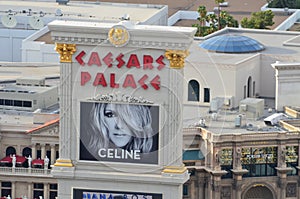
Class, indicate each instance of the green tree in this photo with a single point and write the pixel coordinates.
(293, 4)
(219, 11)
(259, 20)
(209, 23)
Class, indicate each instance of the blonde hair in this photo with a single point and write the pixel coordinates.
(137, 118)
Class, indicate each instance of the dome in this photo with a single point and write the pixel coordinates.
(231, 44)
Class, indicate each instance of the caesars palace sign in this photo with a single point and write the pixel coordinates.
(99, 79)
(118, 37)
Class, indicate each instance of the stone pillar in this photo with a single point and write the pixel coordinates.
(174, 148)
(13, 189)
(33, 151)
(65, 51)
(281, 183)
(216, 183)
(29, 190)
(237, 182)
(201, 189)
(46, 190)
(53, 154)
(43, 151)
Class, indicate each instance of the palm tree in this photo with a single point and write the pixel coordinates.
(218, 2)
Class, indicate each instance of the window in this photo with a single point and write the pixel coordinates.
(18, 103)
(185, 190)
(226, 161)
(254, 92)
(291, 159)
(259, 161)
(38, 190)
(5, 188)
(206, 95)
(193, 90)
(27, 104)
(53, 191)
(8, 102)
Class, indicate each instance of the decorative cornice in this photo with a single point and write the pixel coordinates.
(118, 97)
(65, 51)
(63, 163)
(176, 58)
(132, 43)
(175, 169)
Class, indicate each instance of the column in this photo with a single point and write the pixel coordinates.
(172, 142)
(46, 190)
(29, 190)
(53, 154)
(13, 189)
(43, 151)
(33, 151)
(65, 51)
(201, 190)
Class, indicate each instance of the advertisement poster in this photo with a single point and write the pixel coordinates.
(119, 132)
(98, 194)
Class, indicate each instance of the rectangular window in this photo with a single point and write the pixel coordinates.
(1, 101)
(38, 190)
(27, 104)
(18, 103)
(8, 102)
(206, 95)
(185, 190)
(5, 188)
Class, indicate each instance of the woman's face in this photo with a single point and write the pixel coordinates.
(118, 131)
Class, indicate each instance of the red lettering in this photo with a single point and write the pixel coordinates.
(113, 81)
(85, 77)
(142, 82)
(160, 62)
(148, 61)
(94, 59)
(108, 60)
(133, 61)
(100, 80)
(79, 58)
(129, 81)
(120, 60)
(155, 82)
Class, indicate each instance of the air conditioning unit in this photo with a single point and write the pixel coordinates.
(227, 102)
(243, 107)
(274, 119)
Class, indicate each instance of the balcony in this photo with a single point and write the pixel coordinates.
(21, 171)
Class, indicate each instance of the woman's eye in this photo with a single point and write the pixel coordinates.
(109, 114)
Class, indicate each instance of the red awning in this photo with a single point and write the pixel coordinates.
(20, 159)
(37, 162)
(8, 159)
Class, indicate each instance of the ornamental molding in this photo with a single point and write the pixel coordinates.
(65, 51)
(118, 36)
(176, 58)
(119, 97)
(101, 40)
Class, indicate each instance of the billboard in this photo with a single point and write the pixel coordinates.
(119, 132)
(98, 194)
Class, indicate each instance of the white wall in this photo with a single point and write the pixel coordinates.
(287, 84)
(11, 43)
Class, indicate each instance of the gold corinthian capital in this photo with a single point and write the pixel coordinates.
(176, 58)
(65, 51)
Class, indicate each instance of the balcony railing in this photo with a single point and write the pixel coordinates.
(24, 171)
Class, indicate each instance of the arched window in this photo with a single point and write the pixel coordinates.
(10, 150)
(193, 91)
(26, 152)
